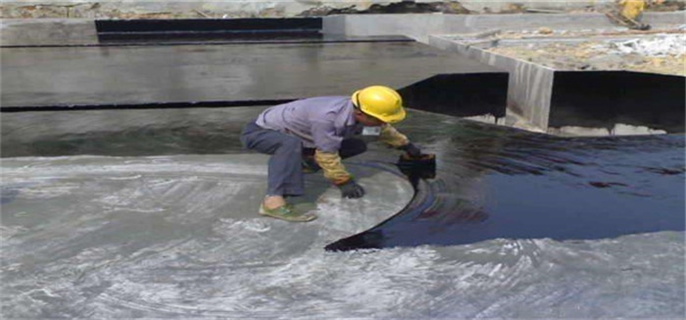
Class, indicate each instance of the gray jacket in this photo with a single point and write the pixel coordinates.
(321, 122)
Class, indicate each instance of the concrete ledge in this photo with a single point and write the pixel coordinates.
(530, 85)
(549, 100)
(17, 32)
(243, 73)
(529, 88)
(421, 26)
(417, 26)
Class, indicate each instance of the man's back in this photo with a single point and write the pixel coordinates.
(320, 122)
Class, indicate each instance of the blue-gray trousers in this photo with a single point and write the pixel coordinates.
(285, 176)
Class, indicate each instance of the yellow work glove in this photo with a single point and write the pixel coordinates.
(392, 137)
(332, 166)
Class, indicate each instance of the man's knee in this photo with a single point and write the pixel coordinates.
(246, 137)
(291, 145)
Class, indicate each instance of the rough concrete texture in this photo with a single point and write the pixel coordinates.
(660, 53)
(285, 8)
(17, 32)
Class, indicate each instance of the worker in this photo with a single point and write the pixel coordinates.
(316, 133)
(632, 9)
(629, 14)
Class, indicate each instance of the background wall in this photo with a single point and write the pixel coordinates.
(277, 8)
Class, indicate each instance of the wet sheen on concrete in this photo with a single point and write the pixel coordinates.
(502, 183)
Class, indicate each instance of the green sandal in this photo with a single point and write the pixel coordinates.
(287, 212)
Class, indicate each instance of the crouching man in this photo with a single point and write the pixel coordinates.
(317, 133)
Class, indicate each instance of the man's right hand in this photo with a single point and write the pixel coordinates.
(412, 151)
(351, 190)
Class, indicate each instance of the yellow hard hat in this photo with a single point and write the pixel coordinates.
(380, 102)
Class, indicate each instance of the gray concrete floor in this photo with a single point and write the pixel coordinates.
(519, 225)
(70, 224)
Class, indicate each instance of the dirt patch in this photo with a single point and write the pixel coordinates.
(658, 53)
(449, 7)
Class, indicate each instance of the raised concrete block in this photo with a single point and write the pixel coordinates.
(17, 32)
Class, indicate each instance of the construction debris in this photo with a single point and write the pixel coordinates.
(663, 53)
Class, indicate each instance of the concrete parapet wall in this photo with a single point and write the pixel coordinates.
(417, 26)
(573, 102)
(420, 26)
(18, 32)
(530, 85)
(529, 89)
